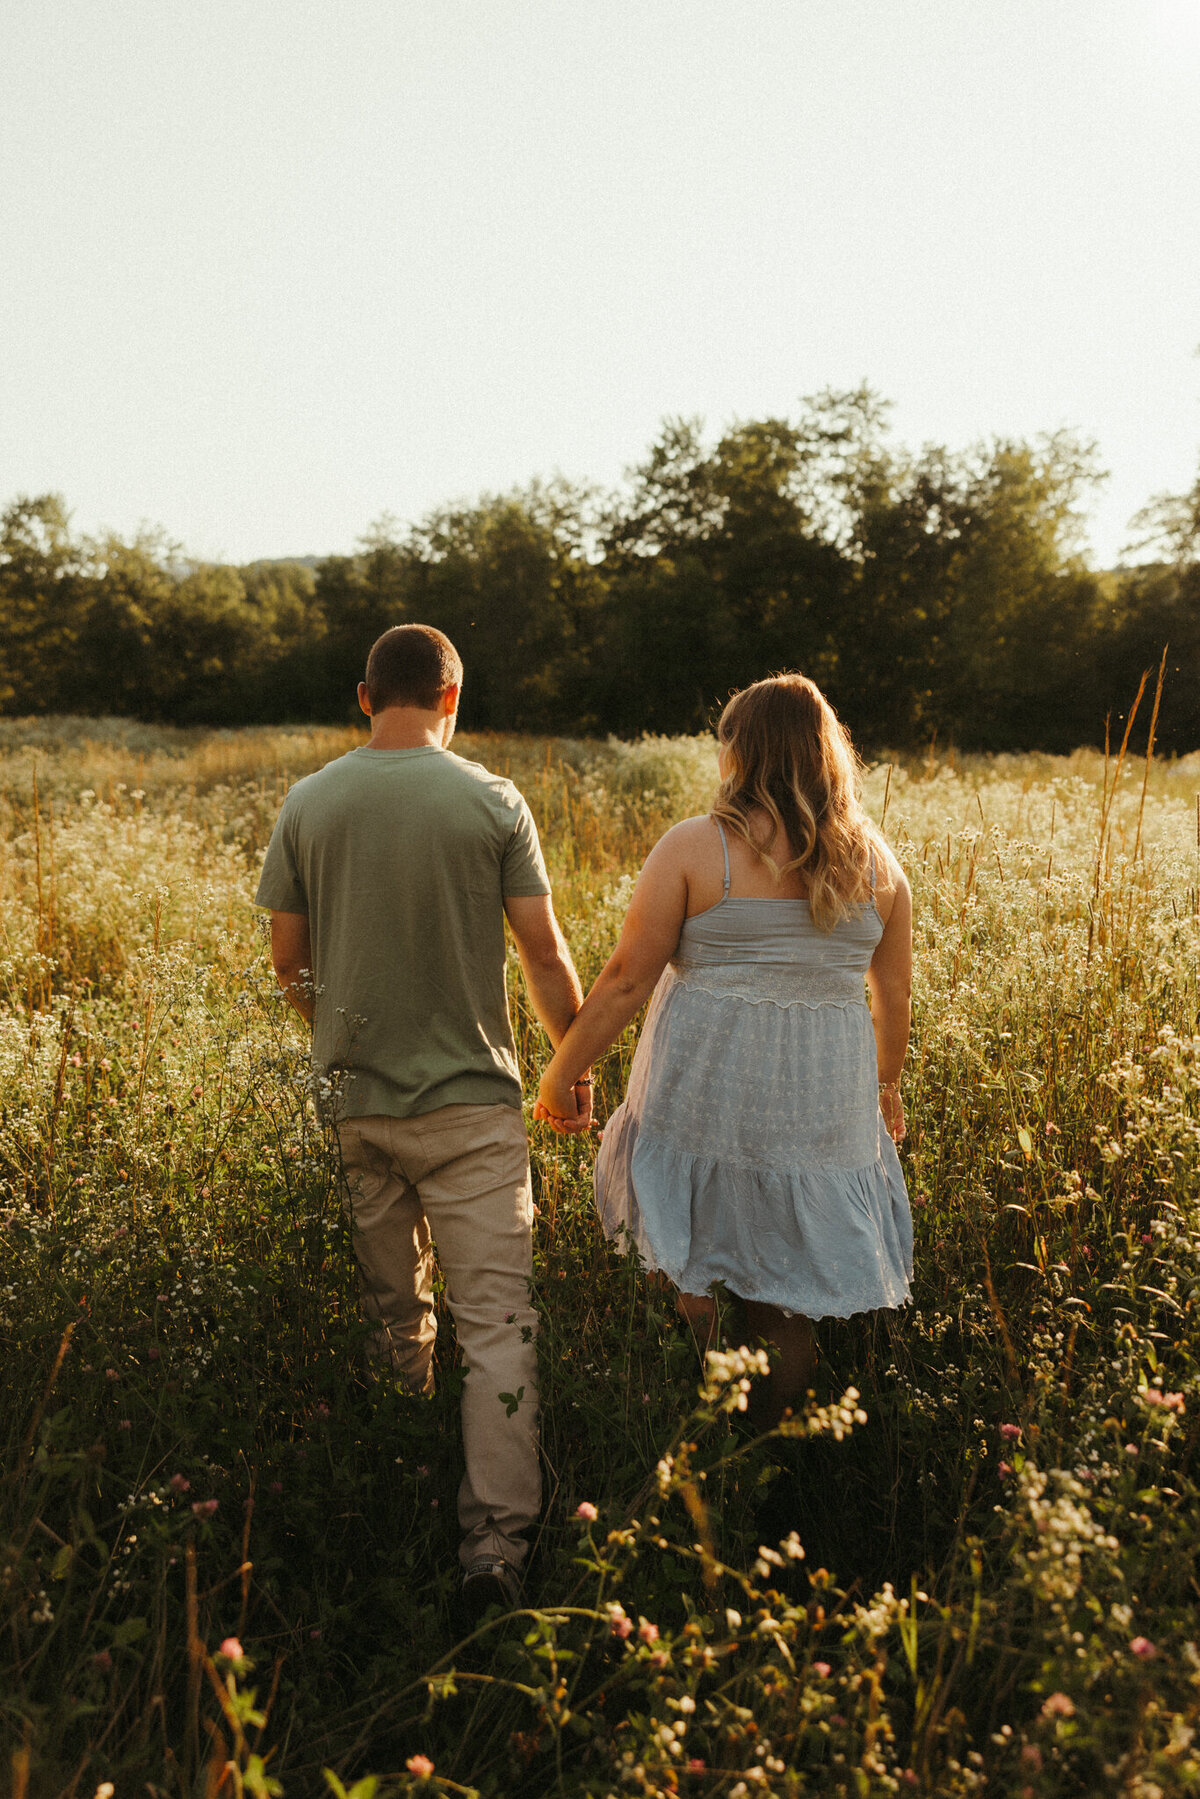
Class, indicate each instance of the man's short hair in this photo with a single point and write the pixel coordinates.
(411, 665)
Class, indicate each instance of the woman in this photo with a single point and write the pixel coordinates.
(755, 1145)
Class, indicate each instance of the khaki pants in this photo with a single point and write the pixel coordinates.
(460, 1175)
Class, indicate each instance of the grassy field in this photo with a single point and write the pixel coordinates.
(971, 1568)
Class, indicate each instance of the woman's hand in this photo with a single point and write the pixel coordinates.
(892, 1107)
(566, 1110)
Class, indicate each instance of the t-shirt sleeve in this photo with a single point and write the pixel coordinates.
(523, 871)
(280, 885)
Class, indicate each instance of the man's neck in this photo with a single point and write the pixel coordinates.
(408, 728)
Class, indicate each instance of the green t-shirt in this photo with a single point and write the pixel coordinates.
(402, 860)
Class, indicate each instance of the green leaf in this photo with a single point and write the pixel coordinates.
(131, 1631)
(257, 1781)
(61, 1562)
(1026, 1142)
(365, 1788)
(512, 1401)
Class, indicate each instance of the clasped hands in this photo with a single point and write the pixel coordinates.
(567, 1110)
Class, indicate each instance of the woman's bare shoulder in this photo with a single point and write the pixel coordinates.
(890, 878)
(689, 836)
(889, 865)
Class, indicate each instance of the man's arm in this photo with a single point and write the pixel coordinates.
(554, 986)
(291, 958)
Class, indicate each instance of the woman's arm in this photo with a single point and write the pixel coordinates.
(649, 937)
(889, 979)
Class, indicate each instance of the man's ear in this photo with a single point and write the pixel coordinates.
(450, 701)
(364, 699)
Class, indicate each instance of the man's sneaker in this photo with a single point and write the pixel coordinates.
(488, 1581)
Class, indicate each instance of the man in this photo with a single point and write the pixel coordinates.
(388, 876)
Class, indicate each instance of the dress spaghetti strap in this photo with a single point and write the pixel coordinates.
(725, 848)
(872, 873)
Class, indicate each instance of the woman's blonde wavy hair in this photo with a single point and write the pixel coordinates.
(792, 759)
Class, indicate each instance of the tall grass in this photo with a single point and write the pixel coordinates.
(996, 1587)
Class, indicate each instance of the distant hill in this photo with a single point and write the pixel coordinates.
(284, 562)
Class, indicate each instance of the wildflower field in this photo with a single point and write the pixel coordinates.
(228, 1555)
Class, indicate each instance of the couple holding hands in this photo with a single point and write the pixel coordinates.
(755, 1146)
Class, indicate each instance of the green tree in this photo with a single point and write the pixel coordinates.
(41, 604)
(939, 593)
(1171, 522)
(717, 573)
(286, 678)
(511, 582)
(974, 612)
(1156, 607)
(169, 640)
(128, 588)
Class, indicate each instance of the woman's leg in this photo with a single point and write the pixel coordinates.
(793, 1361)
(699, 1312)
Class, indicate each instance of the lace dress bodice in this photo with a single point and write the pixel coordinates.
(770, 950)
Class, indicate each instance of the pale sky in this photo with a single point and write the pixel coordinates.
(270, 268)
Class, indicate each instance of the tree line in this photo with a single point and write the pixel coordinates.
(932, 594)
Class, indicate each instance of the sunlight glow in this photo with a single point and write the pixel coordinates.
(1177, 22)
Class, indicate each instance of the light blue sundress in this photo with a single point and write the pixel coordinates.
(750, 1147)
